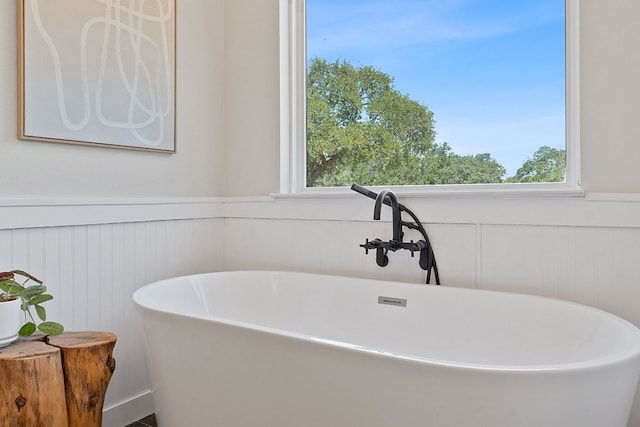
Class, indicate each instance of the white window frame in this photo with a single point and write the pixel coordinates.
(293, 115)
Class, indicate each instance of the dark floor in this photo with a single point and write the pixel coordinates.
(148, 421)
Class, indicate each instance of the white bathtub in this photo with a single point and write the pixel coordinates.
(277, 349)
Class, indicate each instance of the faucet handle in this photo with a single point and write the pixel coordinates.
(381, 250)
(366, 246)
(371, 244)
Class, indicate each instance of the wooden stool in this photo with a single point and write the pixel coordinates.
(56, 381)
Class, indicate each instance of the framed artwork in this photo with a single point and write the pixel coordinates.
(97, 72)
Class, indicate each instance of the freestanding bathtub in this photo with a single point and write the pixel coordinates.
(280, 349)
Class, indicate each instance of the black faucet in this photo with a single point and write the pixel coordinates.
(396, 218)
(427, 258)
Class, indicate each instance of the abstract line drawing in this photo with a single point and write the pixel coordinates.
(100, 72)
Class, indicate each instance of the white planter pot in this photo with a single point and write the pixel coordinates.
(10, 321)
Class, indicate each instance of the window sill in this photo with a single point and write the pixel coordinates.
(559, 190)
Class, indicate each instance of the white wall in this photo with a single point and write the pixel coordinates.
(251, 94)
(610, 91)
(94, 236)
(33, 169)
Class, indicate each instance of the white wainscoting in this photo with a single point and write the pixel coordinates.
(94, 265)
(93, 270)
(596, 266)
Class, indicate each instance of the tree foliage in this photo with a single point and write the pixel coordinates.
(547, 165)
(446, 167)
(361, 129)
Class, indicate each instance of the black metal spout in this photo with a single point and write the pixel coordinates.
(427, 258)
(395, 208)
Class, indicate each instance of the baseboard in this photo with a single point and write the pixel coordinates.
(128, 411)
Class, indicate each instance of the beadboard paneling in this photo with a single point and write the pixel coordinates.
(589, 265)
(93, 271)
(313, 246)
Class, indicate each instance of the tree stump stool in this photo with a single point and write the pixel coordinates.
(32, 386)
(56, 381)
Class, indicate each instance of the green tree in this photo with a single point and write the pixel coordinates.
(471, 169)
(361, 129)
(443, 166)
(547, 165)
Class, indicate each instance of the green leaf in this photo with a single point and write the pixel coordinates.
(42, 313)
(32, 291)
(39, 299)
(51, 328)
(11, 287)
(27, 329)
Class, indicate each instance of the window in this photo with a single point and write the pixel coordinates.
(414, 92)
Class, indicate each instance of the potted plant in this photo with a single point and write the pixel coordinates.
(19, 292)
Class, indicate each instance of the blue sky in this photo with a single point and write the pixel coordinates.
(492, 71)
